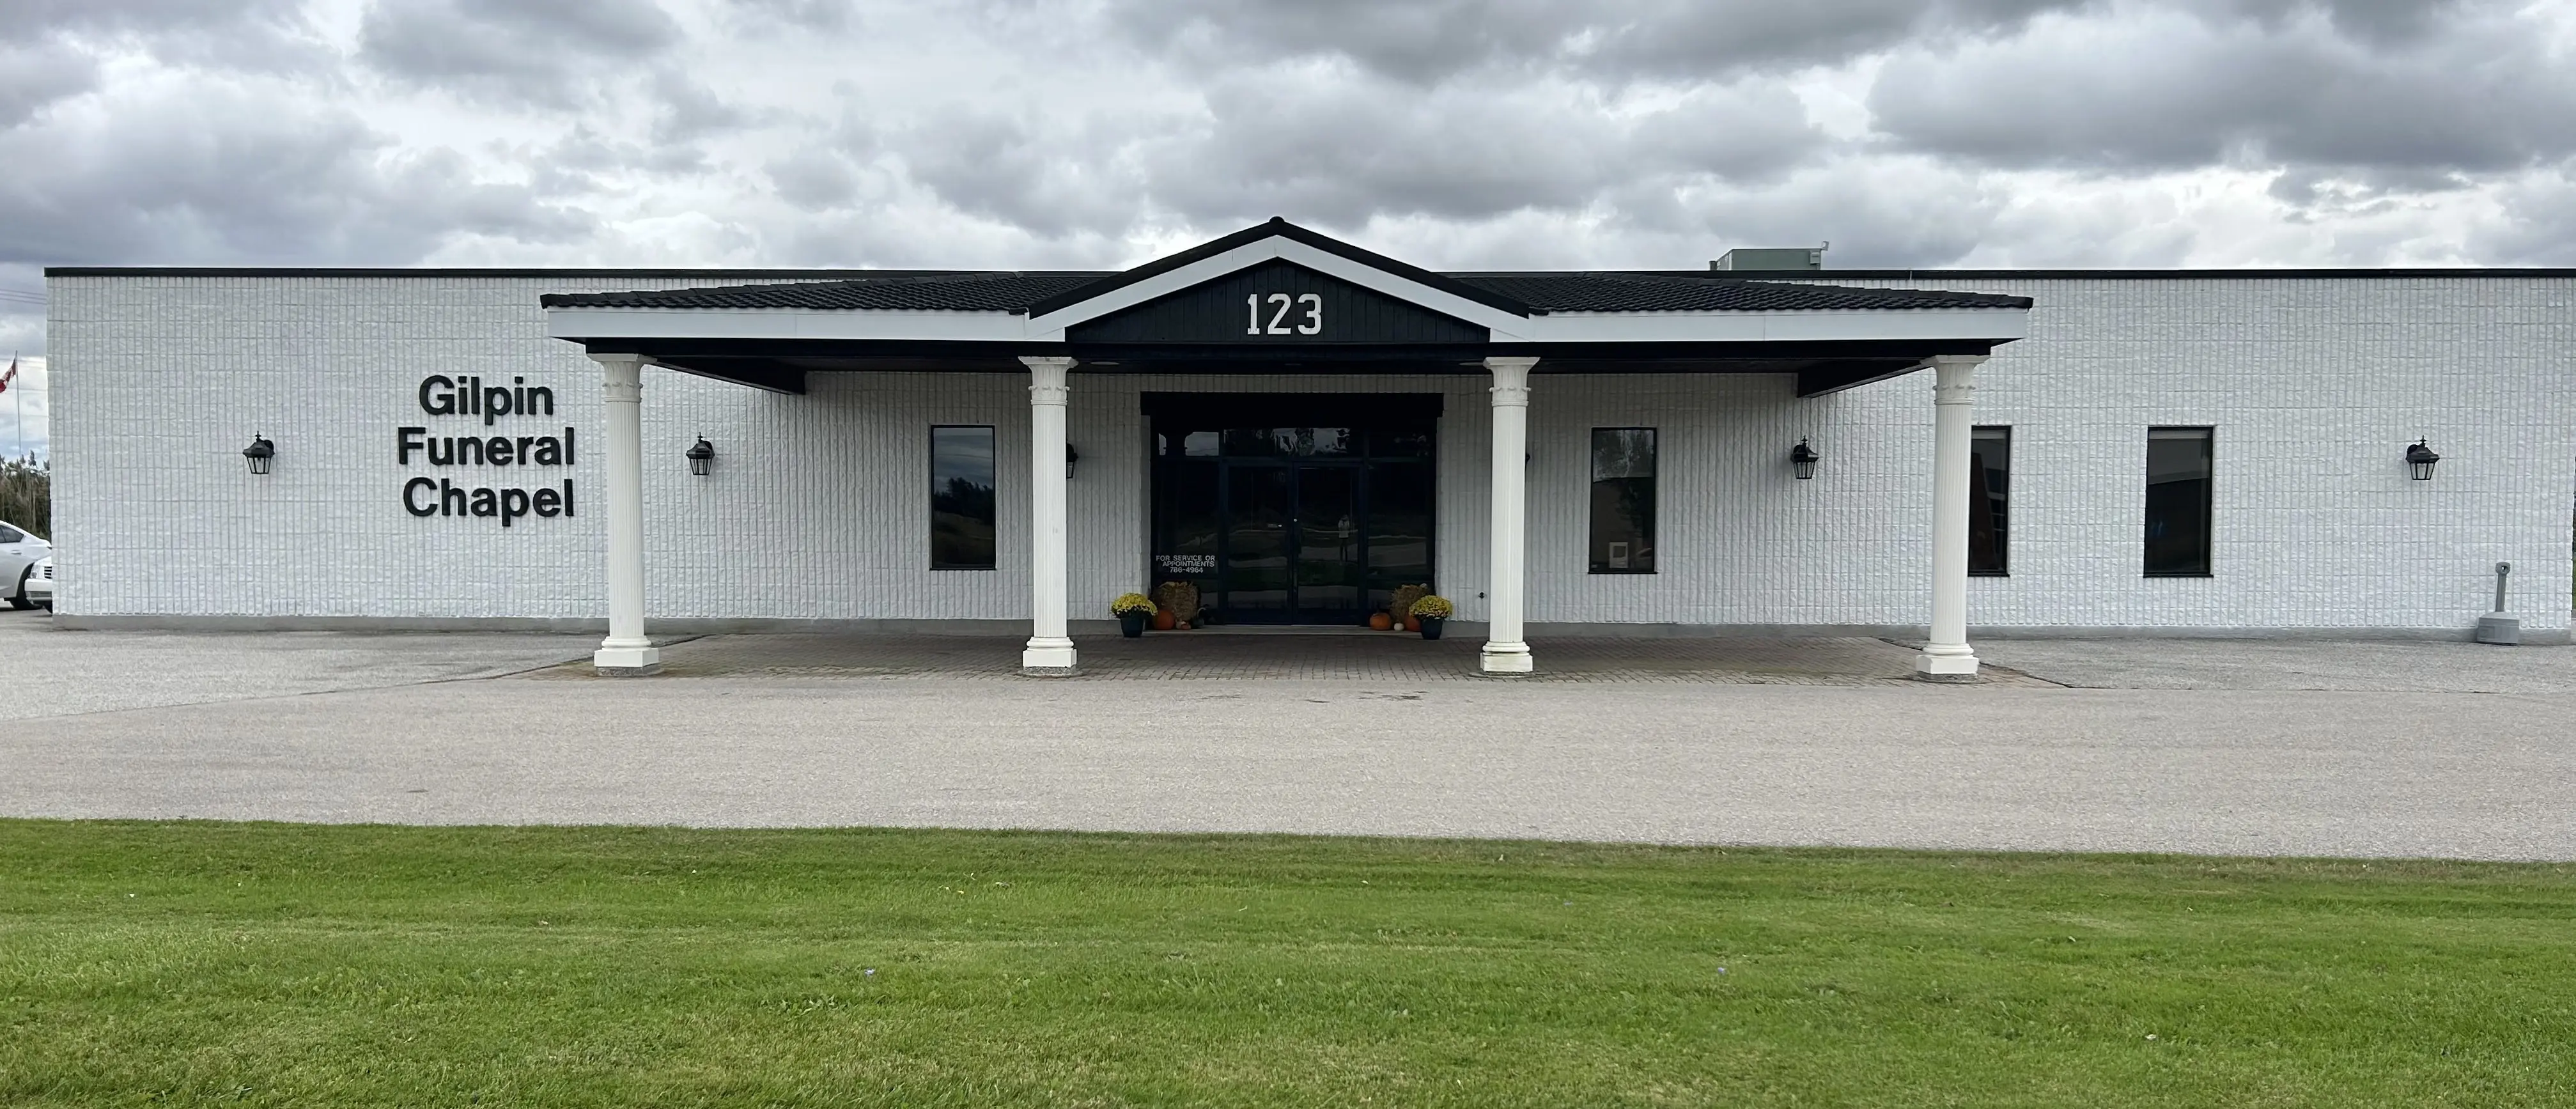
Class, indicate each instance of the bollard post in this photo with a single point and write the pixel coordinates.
(2496, 627)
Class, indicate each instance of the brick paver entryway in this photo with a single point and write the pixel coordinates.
(1235, 655)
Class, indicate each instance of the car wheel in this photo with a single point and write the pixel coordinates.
(19, 599)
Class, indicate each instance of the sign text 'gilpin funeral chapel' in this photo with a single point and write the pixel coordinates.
(441, 395)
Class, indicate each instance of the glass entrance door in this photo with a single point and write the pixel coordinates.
(1328, 577)
(1303, 525)
(1292, 544)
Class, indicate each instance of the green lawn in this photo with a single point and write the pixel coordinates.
(267, 964)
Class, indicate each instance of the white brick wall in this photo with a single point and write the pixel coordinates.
(817, 505)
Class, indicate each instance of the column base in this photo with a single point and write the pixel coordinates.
(626, 661)
(1955, 664)
(1506, 658)
(1047, 658)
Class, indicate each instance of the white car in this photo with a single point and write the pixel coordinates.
(19, 553)
(38, 589)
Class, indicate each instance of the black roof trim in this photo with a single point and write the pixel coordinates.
(1278, 227)
(2143, 275)
(861, 274)
(1542, 292)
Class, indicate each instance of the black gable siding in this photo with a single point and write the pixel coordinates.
(1213, 312)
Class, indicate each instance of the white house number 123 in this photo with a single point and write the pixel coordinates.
(1309, 322)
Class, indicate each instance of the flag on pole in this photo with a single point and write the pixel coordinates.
(12, 375)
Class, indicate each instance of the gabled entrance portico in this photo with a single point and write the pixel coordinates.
(1276, 300)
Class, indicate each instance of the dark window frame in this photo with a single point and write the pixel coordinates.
(2002, 531)
(931, 460)
(2208, 505)
(1655, 495)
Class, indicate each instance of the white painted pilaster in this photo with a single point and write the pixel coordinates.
(625, 653)
(1506, 651)
(1050, 650)
(1947, 656)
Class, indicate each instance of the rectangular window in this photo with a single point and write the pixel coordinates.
(961, 498)
(2180, 461)
(1989, 477)
(1623, 500)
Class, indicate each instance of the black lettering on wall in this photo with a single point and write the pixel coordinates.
(438, 395)
(445, 395)
(411, 504)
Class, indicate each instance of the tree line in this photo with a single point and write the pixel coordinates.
(27, 494)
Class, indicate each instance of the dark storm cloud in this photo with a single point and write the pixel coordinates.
(813, 179)
(52, 48)
(1048, 177)
(512, 52)
(1344, 150)
(33, 75)
(2390, 90)
(217, 174)
(1433, 40)
(690, 110)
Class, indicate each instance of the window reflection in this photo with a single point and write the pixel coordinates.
(1989, 479)
(1623, 500)
(961, 498)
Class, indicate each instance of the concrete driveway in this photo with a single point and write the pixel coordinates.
(2245, 767)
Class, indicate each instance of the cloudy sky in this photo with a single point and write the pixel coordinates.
(1453, 133)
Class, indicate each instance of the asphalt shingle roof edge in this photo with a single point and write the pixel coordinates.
(1543, 291)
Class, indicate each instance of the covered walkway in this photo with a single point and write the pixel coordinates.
(1323, 656)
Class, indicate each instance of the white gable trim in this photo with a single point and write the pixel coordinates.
(1506, 326)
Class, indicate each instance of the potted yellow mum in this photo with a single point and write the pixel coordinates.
(1433, 611)
(1132, 610)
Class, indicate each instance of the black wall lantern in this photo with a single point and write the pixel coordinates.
(1803, 459)
(2420, 460)
(702, 457)
(1071, 456)
(261, 453)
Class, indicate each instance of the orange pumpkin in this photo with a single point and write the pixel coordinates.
(1379, 621)
(1164, 620)
(1412, 623)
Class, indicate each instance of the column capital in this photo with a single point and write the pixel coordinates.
(1511, 380)
(1954, 377)
(1047, 375)
(621, 377)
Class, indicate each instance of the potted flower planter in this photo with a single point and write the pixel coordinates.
(1430, 614)
(1132, 611)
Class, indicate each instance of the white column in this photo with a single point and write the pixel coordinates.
(1506, 651)
(625, 653)
(1947, 657)
(1050, 650)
